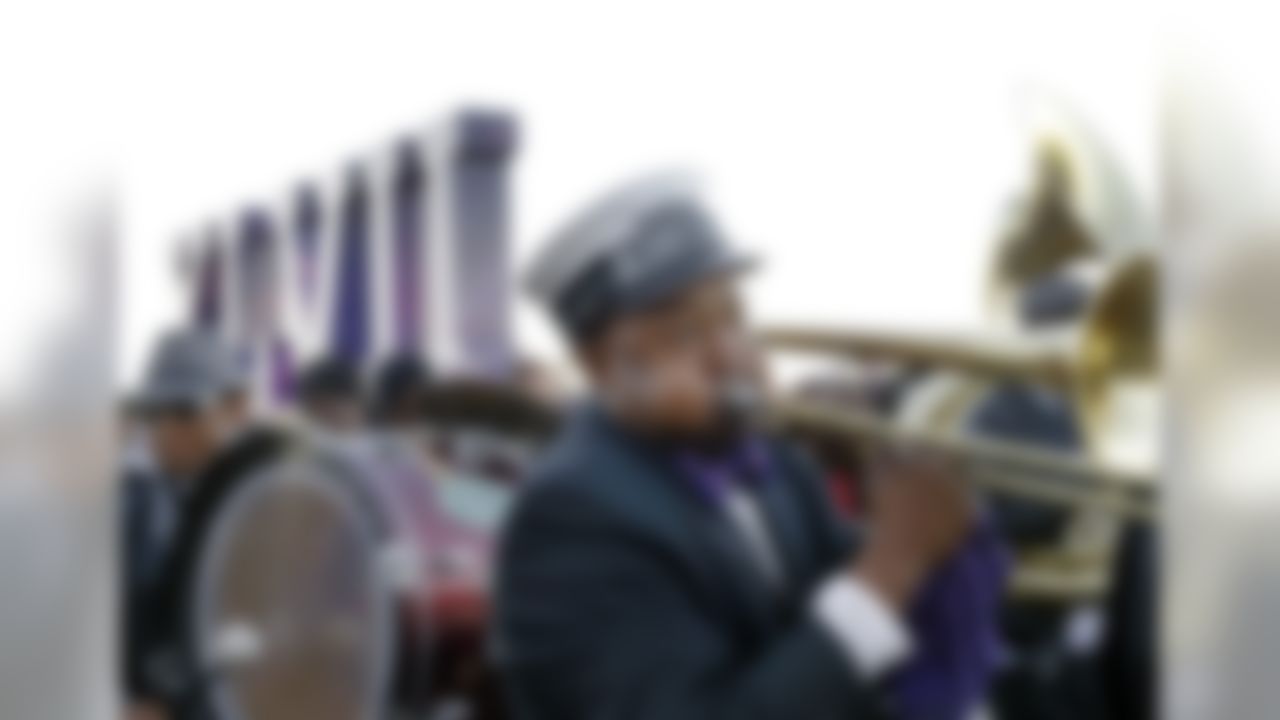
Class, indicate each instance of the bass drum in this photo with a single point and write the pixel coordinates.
(310, 596)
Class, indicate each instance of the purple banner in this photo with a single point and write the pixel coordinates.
(482, 287)
(352, 320)
(410, 234)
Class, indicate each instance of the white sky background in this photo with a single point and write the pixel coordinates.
(863, 149)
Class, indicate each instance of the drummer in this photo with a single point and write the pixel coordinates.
(186, 420)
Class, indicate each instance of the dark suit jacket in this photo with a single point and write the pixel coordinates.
(149, 510)
(159, 570)
(621, 594)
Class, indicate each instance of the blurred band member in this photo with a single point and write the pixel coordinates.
(1061, 672)
(1052, 672)
(398, 392)
(670, 560)
(1058, 670)
(185, 423)
(1031, 413)
(329, 395)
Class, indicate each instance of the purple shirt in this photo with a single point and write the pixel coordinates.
(747, 464)
(956, 623)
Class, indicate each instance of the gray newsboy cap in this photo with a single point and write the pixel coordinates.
(188, 369)
(637, 246)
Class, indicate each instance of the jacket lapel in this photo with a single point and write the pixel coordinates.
(653, 488)
(778, 501)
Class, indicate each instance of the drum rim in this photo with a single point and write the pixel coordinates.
(336, 483)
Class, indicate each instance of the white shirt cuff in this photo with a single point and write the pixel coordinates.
(871, 635)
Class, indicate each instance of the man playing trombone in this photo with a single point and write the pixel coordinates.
(672, 560)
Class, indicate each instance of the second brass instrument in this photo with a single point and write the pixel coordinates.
(1106, 365)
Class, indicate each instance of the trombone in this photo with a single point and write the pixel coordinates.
(1106, 365)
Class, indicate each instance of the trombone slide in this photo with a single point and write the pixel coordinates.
(1000, 466)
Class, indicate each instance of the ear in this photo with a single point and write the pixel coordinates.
(609, 372)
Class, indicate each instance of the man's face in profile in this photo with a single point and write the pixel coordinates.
(687, 369)
(183, 437)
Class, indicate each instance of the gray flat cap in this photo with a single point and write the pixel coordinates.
(188, 369)
(232, 366)
(634, 248)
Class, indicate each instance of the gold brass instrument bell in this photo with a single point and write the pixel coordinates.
(1079, 207)
(1079, 217)
(1106, 364)
(1079, 220)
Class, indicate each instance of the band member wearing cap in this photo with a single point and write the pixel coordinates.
(398, 390)
(670, 560)
(1063, 669)
(189, 413)
(329, 395)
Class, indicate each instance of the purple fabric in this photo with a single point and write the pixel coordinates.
(307, 221)
(208, 307)
(954, 620)
(711, 477)
(351, 336)
(479, 170)
(257, 273)
(283, 375)
(408, 202)
(407, 291)
(955, 623)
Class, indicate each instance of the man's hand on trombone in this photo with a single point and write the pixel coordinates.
(920, 514)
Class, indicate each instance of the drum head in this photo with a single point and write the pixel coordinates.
(290, 616)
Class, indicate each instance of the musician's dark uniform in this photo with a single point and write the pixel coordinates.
(626, 587)
(149, 515)
(162, 522)
(622, 596)
(163, 530)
